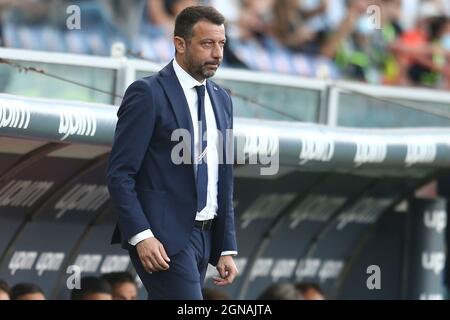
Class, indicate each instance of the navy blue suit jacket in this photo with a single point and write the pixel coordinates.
(147, 189)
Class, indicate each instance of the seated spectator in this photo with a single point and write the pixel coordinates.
(123, 285)
(350, 45)
(443, 46)
(26, 291)
(310, 291)
(4, 290)
(254, 19)
(123, 14)
(418, 52)
(28, 11)
(214, 294)
(92, 288)
(281, 291)
(290, 29)
(383, 41)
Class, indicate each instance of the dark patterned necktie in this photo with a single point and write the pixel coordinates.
(202, 167)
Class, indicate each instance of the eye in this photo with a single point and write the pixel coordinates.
(208, 44)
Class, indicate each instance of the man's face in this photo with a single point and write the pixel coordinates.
(312, 294)
(203, 53)
(3, 295)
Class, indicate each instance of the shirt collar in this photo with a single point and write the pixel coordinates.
(186, 80)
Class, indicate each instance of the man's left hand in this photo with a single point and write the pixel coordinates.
(227, 271)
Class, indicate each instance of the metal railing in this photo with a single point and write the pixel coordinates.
(255, 94)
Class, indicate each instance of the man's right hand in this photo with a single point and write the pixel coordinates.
(152, 254)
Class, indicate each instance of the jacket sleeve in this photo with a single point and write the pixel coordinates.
(230, 230)
(134, 129)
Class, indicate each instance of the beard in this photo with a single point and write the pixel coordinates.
(201, 70)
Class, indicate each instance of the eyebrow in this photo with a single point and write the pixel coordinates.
(212, 40)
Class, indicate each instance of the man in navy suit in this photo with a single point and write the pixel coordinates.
(175, 218)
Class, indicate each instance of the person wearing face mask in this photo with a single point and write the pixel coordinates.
(350, 45)
(425, 62)
(420, 52)
(390, 29)
(445, 42)
(441, 52)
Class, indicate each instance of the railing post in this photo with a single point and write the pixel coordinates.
(125, 74)
(330, 109)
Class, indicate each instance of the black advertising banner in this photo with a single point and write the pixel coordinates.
(22, 194)
(374, 267)
(43, 245)
(307, 146)
(426, 248)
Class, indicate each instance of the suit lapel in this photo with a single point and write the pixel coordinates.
(179, 105)
(177, 99)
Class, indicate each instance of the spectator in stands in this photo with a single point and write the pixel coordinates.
(92, 288)
(365, 53)
(359, 44)
(290, 29)
(310, 291)
(26, 291)
(443, 51)
(385, 39)
(440, 52)
(231, 10)
(30, 11)
(4, 290)
(214, 294)
(123, 285)
(420, 52)
(4, 4)
(281, 291)
(254, 19)
(162, 13)
(124, 14)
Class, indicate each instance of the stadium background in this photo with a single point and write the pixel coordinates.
(361, 113)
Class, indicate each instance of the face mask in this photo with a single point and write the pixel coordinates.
(446, 42)
(364, 26)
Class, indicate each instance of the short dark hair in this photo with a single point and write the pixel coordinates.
(280, 291)
(305, 286)
(90, 285)
(4, 287)
(116, 278)
(187, 18)
(21, 289)
(214, 294)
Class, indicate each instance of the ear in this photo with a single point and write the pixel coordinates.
(180, 44)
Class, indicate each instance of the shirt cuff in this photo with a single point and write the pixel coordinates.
(229, 253)
(140, 237)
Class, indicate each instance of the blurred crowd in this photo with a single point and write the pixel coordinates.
(396, 42)
(122, 286)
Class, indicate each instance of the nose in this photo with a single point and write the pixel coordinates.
(217, 52)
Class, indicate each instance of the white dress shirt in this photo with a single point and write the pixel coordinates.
(188, 83)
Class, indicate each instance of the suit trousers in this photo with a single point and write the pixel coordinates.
(186, 274)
